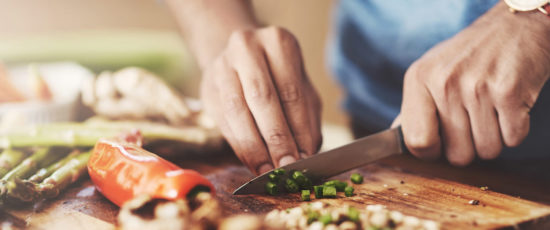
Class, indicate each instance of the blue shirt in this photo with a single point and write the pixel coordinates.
(375, 41)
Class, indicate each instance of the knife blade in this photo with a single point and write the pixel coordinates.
(336, 161)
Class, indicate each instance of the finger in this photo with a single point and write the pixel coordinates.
(484, 123)
(315, 118)
(455, 129)
(263, 102)
(514, 124)
(419, 120)
(242, 133)
(284, 59)
(396, 122)
(513, 113)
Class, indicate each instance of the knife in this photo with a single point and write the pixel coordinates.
(330, 163)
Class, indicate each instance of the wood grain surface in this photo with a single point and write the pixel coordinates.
(518, 196)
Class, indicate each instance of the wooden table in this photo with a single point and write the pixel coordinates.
(518, 195)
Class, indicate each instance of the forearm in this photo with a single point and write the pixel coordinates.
(206, 24)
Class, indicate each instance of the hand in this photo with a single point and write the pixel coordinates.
(259, 94)
(472, 93)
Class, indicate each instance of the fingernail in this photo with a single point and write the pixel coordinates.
(304, 155)
(286, 160)
(265, 168)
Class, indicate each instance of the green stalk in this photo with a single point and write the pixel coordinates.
(64, 176)
(87, 134)
(9, 159)
(43, 173)
(40, 159)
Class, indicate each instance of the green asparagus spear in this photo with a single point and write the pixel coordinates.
(9, 159)
(39, 159)
(19, 190)
(87, 134)
(41, 174)
(64, 176)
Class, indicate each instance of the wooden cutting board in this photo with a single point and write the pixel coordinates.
(435, 191)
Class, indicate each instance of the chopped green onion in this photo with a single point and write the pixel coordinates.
(306, 195)
(353, 214)
(356, 178)
(291, 186)
(279, 172)
(339, 185)
(312, 216)
(325, 219)
(307, 184)
(271, 188)
(349, 191)
(318, 190)
(329, 191)
(299, 178)
(274, 178)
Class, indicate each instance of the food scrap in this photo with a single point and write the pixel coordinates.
(484, 188)
(204, 212)
(473, 202)
(319, 215)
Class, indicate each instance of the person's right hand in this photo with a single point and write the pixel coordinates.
(258, 92)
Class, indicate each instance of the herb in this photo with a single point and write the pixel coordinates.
(325, 219)
(279, 172)
(306, 195)
(291, 186)
(271, 188)
(318, 190)
(353, 214)
(329, 192)
(274, 178)
(348, 191)
(299, 178)
(356, 178)
(339, 185)
(312, 216)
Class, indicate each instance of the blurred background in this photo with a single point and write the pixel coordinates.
(109, 35)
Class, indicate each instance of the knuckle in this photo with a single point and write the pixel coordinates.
(506, 94)
(241, 37)
(475, 91)
(280, 33)
(277, 137)
(234, 103)
(446, 85)
(260, 91)
(290, 93)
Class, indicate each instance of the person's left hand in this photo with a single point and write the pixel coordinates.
(472, 93)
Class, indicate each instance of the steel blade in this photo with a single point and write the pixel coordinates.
(336, 161)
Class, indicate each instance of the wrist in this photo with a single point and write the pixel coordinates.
(207, 24)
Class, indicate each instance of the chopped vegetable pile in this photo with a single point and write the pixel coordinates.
(318, 215)
(298, 182)
(204, 212)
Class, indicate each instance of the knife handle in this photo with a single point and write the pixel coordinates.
(404, 149)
